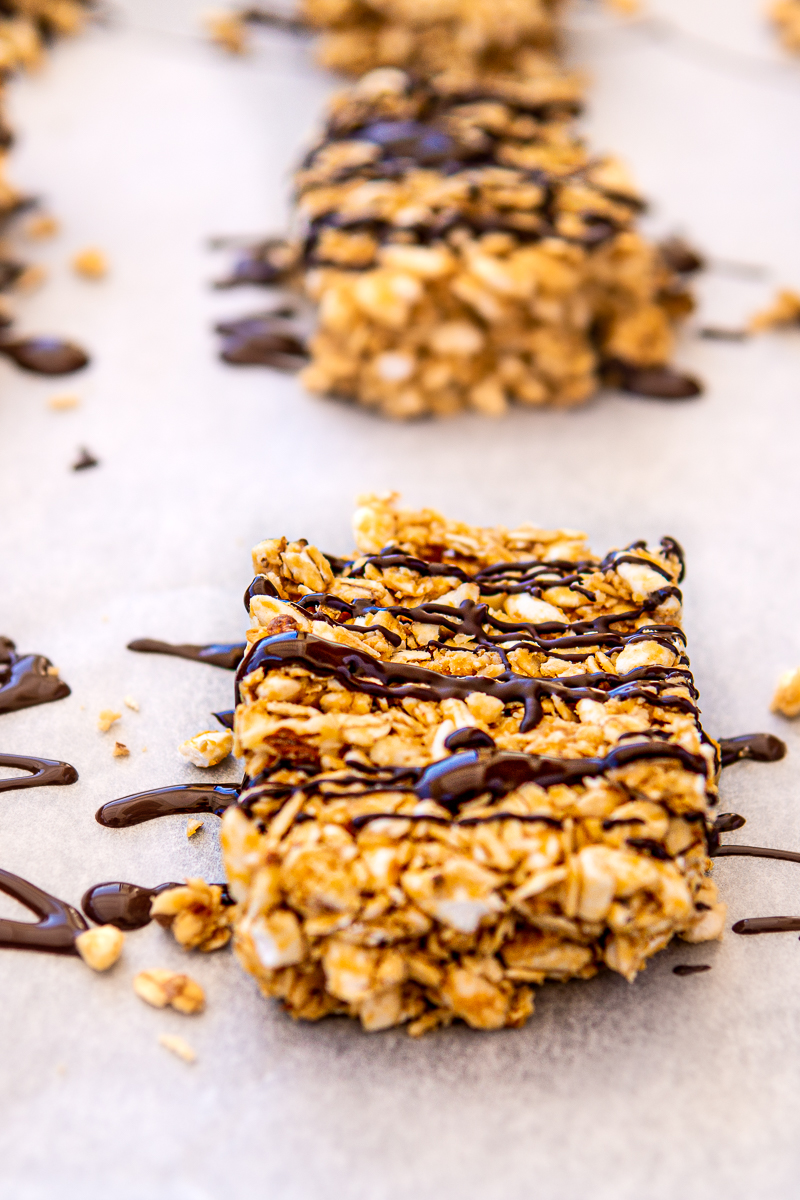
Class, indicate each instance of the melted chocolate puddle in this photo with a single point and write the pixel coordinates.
(25, 679)
(55, 931)
(760, 747)
(127, 905)
(164, 802)
(45, 772)
(45, 355)
(218, 654)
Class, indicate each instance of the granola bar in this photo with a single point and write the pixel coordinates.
(473, 762)
(465, 249)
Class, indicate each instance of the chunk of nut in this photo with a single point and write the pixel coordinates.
(208, 748)
(107, 718)
(90, 263)
(178, 1046)
(100, 947)
(120, 750)
(160, 988)
(787, 694)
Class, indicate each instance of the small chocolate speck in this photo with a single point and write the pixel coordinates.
(690, 968)
(85, 460)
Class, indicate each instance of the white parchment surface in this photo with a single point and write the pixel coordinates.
(145, 141)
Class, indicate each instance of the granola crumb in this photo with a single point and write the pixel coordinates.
(30, 280)
(160, 987)
(63, 402)
(787, 694)
(228, 30)
(781, 314)
(120, 750)
(101, 947)
(90, 263)
(41, 226)
(208, 748)
(131, 703)
(177, 1045)
(107, 718)
(195, 914)
(193, 826)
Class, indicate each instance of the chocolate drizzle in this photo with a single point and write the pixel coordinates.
(45, 355)
(752, 925)
(655, 383)
(55, 931)
(45, 772)
(755, 852)
(760, 747)
(164, 802)
(26, 679)
(359, 671)
(690, 968)
(217, 654)
(127, 905)
(264, 339)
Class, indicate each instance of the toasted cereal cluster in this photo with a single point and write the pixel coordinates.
(465, 249)
(473, 762)
(428, 37)
(786, 16)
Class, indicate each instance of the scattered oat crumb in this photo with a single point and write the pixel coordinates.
(131, 703)
(63, 401)
(144, 749)
(787, 694)
(783, 312)
(208, 748)
(41, 226)
(107, 718)
(228, 30)
(160, 988)
(101, 947)
(52, 670)
(178, 1045)
(90, 263)
(120, 750)
(31, 278)
(193, 826)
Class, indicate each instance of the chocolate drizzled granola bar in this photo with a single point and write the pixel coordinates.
(359, 35)
(473, 762)
(465, 249)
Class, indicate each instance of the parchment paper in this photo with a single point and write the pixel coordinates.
(146, 140)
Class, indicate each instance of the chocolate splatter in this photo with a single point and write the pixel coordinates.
(27, 679)
(46, 355)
